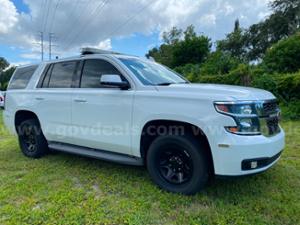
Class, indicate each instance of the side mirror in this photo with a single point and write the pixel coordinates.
(114, 80)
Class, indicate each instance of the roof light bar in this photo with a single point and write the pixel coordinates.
(88, 50)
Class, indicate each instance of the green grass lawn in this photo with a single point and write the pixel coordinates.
(68, 189)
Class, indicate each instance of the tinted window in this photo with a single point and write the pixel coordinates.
(92, 71)
(22, 77)
(44, 79)
(62, 75)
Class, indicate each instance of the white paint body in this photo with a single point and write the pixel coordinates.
(113, 119)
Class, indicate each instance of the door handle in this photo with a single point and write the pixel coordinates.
(39, 98)
(79, 100)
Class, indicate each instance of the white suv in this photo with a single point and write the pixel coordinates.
(130, 110)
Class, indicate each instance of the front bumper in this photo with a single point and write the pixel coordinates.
(233, 154)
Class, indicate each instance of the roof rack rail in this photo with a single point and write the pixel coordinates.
(88, 51)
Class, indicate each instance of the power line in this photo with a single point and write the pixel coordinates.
(54, 14)
(100, 7)
(43, 14)
(129, 19)
(77, 21)
(48, 3)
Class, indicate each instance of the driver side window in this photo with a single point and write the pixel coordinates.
(92, 71)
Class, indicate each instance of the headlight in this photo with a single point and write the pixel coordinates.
(244, 114)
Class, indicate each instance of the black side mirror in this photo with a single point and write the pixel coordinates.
(114, 80)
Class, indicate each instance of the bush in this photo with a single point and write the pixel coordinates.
(284, 56)
(218, 63)
(266, 82)
(190, 71)
(289, 86)
(285, 86)
(290, 110)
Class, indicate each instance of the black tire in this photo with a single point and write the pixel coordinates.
(183, 156)
(31, 139)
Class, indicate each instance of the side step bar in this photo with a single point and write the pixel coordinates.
(98, 154)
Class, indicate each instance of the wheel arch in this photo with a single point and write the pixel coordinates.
(147, 138)
(22, 115)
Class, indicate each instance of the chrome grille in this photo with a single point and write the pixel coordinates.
(269, 120)
(273, 126)
(270, 107)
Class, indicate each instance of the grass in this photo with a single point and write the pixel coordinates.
(68, 189)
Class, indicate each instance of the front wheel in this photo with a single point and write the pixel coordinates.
(178, 164)
(31, 139)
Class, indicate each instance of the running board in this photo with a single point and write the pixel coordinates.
(98, 154)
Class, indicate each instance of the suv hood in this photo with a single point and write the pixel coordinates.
(217, 92)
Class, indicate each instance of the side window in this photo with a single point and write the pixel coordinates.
(22, 77)
(44, 79)
(92, 71)
(62, 75)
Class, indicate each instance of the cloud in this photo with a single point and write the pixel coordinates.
(96, 22)
(105, 45)
(31, 55)
(208, 20)
(8, 16)
(20, 63)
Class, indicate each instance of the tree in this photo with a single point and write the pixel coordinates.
(235, 43)
(173, 36)
(191, 50)
(282, 23)
(289, 9)
(5, 77)
(284, 56)
(180, 48)
(162, 54)
(189, 33)
(218, 63)
(3, 64)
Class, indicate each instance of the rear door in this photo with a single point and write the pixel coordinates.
(53, 101)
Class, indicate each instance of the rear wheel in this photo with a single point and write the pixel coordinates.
(31, 139)
(178, 164)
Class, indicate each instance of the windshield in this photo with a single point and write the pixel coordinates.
(151, 73)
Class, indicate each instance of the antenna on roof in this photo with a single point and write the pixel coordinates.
(88, 50)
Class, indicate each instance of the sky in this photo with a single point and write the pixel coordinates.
(128, 26)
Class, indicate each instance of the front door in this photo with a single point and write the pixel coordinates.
(101, 116)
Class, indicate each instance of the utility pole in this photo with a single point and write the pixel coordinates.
(50, 44)
(42, 45)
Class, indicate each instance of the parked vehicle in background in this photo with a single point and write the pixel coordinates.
(130, 110)
(1, 99)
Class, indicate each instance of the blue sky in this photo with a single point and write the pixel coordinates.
(136, 44)
(130, 26)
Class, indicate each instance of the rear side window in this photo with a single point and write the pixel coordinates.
(44, 79)
(22, 77)
(92, 71)
(62, 75)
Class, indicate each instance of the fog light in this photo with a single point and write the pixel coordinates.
(253, 164)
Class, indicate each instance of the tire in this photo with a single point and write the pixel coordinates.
(186, 156)
(31, 139)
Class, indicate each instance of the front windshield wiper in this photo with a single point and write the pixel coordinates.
(164, 84)
(169, 83)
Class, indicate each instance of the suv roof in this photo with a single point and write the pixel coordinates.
(85, 52)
